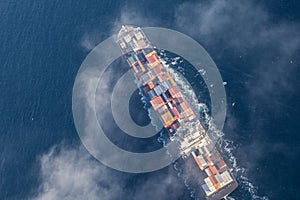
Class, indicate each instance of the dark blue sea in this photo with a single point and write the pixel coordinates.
(255, 45)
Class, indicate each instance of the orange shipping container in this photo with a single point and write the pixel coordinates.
(175, 111)
(198, 163)
(208, 159)
(151, 85)
(157, 102)
(213, 180)
(213, 169)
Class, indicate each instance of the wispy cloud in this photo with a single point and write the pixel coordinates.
(131, 15)
(89, 41)
(73, 174)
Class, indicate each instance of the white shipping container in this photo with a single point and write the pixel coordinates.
(219, 178)
(208, 182)
(207, 172)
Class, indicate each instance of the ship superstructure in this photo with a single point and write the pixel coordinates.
(175, 113)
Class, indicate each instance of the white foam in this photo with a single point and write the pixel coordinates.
(228, 145)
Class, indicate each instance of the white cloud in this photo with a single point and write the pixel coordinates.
(87, 43)
(132, 16)
(127, 16)
(73, 174)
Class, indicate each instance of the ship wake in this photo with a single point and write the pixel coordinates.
(226, 146)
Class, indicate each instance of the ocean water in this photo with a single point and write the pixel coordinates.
(44, 42)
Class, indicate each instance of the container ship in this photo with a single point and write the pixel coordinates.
(179, 120)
